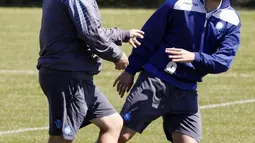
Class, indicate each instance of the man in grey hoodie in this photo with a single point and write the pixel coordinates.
(72, 43)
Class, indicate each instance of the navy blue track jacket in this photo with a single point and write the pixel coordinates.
(213, 36)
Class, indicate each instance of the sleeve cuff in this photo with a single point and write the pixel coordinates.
(130, 70)
(197, 58)
(125, 34)
(118, 57)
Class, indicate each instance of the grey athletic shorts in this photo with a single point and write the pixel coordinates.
(151, 98)
(73, 100)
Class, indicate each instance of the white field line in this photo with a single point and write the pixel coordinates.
(108, 73)
(22, 130)
(19, 72)
(227, 104)
(201, 107)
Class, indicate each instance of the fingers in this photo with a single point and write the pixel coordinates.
(179, 60)
(175, 56)
(137, 33)
(121, 89)
(116, 81)
(132, 43)
(119, 86)
(128, 89)
(136, 42)
(173, 50)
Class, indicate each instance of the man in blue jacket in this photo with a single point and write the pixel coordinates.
(184, 41)
(71, 42)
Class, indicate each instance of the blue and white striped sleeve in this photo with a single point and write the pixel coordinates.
(222, 59)
(88, 25)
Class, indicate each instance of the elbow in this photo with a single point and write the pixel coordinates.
(221, 69)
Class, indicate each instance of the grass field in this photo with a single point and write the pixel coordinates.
(22, 104)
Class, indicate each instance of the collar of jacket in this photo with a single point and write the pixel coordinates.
(224, 3)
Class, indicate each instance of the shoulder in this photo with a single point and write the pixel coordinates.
(229, 15)
(170, 3)
(188, 5)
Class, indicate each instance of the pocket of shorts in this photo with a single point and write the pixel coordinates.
(184, 101)
(74, 89)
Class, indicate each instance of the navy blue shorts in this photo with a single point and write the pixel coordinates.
(151, 98)
(74, 101)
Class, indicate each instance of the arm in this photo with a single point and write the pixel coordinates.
(117, 35)
(221, 60)
(154, 30)
(89, 29)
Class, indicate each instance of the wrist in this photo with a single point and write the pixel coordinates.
(193, 56)
(130, 71)
(118, 58)
(126, 35)
(197, 57)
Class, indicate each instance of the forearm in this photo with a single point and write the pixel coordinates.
(117, 35)
(211, 63)
(112, 54)
(138, 59)
(88, 26)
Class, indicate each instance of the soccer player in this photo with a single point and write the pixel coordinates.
(71, 42)
(184, 41)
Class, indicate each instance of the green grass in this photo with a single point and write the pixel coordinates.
(22, 104)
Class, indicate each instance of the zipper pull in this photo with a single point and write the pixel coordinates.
(205, 23)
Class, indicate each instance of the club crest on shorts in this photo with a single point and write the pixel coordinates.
(68, 131)
(58, 123)
(127, 116)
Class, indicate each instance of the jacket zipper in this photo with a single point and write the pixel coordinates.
(211, 13)
(208, 15)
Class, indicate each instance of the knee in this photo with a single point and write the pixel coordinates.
(55, 139)
(123, 138)
(126, 134)
(58, 139)
(115, 125)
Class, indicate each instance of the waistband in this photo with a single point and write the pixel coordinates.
(73, 74)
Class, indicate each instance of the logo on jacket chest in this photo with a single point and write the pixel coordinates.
(219, 26)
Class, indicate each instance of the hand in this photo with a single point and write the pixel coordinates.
(124, 83)
(180, 55)
(135, 33)
(122, 63)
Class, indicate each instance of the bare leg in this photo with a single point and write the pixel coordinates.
(181, 138)
(110, 127)
(126, 135)
(58, 139)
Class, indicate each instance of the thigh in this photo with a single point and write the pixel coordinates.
(176, 125)
(100, 110)
(183, 116)
(67, 106)
(143, 104)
